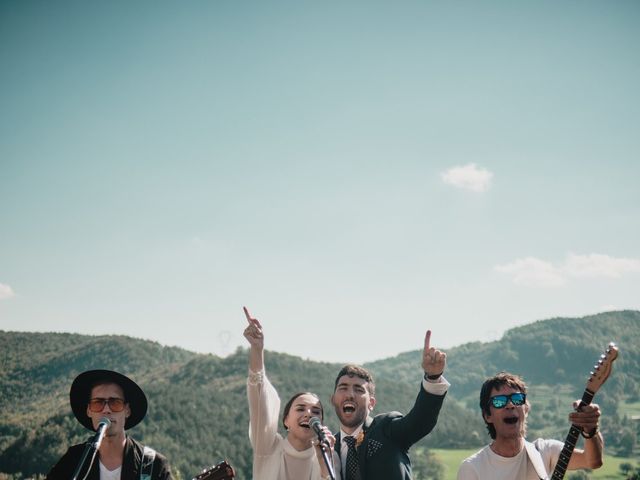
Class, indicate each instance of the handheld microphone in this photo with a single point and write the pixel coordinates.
(316, 425)
(103, 425)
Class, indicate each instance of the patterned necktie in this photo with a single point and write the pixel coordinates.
(353, 471)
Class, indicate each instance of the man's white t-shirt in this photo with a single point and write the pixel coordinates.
(106, 474)
(487, 465)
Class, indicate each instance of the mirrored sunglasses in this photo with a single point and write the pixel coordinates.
(500, 401)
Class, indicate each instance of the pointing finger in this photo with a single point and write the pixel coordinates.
(427, 341)
(250, 319)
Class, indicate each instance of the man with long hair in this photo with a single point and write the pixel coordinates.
(504, 405)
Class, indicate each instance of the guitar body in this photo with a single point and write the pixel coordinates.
(221, 471)
(599, 375)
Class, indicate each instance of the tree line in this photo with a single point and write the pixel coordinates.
(197, 403)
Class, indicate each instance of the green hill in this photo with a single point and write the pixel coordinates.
(198, 410)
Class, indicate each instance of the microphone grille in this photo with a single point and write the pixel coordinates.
(105, 421)
(314, 421)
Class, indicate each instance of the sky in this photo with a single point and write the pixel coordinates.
(354, 172)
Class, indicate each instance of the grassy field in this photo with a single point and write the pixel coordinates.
(630, 409)
(452, 459)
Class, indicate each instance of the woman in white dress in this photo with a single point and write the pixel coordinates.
(298, 456)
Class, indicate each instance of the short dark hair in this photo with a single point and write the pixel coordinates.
(497, 381)
(352, 370)
(287, 407)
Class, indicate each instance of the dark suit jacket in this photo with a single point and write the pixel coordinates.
(384, 453)
(66, 466)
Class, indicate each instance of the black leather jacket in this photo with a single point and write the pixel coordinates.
(133, 451)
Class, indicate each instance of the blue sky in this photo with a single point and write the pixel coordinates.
(353, 172)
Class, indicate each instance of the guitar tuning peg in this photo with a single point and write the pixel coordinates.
(603, 356)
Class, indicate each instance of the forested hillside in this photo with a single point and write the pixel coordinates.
(555, 357)
(198, 410)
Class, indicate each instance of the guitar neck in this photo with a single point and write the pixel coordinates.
(570, 442)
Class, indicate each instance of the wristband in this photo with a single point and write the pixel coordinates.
(432, 377)
(591, 434)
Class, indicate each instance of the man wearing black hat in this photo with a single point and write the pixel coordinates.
(99, 394)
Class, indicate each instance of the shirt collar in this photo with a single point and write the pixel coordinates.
(355, 433)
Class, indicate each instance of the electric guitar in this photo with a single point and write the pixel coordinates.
(221, 471)
(601, 372)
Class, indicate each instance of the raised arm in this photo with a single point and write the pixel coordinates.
(264, 402)
(433, 360)
(254, 335)
(423, 416)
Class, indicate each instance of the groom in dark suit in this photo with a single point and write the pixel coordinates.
(372, 448)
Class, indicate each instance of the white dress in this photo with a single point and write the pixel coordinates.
(274, 458)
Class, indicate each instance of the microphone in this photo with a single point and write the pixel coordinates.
(91, 448)
(316, 425)
(103, 425)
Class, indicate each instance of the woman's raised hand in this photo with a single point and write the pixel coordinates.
(253, 333)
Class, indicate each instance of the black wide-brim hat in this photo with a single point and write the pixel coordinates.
(81, 389)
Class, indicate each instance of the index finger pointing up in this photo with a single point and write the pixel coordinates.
(250, 319)
(427, 340)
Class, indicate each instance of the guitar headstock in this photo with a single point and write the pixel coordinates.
(221, 471)
(602, 369)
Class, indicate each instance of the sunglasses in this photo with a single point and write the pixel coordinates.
(115, 404)
(500, 401)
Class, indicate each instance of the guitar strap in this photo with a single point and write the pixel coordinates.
(146, 469)
(536, 460)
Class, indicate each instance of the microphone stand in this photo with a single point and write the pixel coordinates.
(326, 449)
(91, 447)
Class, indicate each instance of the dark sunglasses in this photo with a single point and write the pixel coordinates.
(500, 401)
(115, 404)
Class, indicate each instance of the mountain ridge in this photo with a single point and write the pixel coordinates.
(197, 402)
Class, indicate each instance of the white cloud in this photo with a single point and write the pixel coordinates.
(533, 272)
(469, 177)
(596, 265)
(6, 292)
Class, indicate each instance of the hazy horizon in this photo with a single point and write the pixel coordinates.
(339, 361)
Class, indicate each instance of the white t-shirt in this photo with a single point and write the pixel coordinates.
(106, 474)
(487, 465)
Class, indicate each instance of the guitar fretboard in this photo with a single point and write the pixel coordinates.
(570, 442)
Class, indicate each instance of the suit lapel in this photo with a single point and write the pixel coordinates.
(362, 449)
(338, 449)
